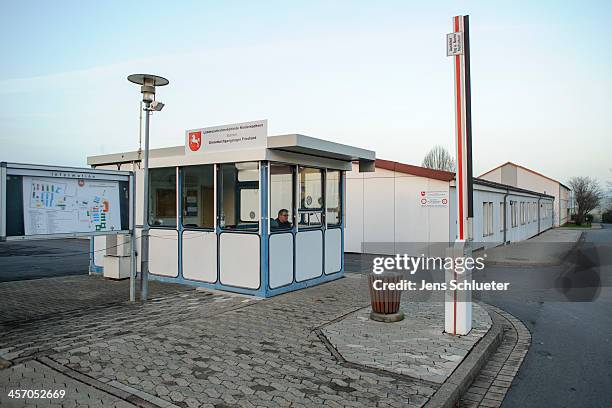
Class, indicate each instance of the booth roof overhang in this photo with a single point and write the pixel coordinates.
(293, 147)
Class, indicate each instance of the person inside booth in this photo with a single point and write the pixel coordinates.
(282, 221)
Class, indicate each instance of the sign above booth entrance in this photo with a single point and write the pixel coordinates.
(237, 136)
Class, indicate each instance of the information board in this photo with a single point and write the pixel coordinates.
(55, 206)
(41, 201)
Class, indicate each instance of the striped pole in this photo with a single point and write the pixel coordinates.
(458, 305)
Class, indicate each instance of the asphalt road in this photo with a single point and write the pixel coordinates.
(569, 363)
(20, 260)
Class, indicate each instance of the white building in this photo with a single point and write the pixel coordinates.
(515, 175)
(401, 204)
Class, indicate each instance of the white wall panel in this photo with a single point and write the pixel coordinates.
(163, 252)
(333, 250)
(240, 260)
(379, 209)
(309, 255)
(200, 256)
(281, 260)
(353, 231)
(99, 250)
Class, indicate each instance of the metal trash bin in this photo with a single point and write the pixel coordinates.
(385, 303)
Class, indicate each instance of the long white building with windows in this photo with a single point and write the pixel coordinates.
(404, 204)
(515, 175)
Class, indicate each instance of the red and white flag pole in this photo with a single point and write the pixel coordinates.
(458, 303)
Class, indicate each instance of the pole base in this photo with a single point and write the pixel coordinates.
(387, 318)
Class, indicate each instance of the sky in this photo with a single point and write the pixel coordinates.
(369, 74)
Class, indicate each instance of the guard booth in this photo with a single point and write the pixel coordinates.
(216, 212)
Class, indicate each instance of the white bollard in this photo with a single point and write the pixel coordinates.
(458, 303)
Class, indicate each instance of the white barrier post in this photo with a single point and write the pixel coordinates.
(458, 303)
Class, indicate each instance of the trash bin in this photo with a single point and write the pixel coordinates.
(385, 303)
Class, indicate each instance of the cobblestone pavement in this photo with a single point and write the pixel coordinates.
(33, 375)
(39, 298)
(194, 348)
(416, 346)
(491, 385)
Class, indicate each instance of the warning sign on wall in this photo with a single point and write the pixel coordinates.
(436, 198)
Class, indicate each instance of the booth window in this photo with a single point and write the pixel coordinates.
(333, 198)
(198, 196)
(310, 212)
(162, 197)
(239, 196)
(281, 197)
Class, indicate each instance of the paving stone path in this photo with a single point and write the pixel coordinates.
(193, 348)
(33, 375)
(42, 298)
(416, 346)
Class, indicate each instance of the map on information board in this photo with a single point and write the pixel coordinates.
(57, 206)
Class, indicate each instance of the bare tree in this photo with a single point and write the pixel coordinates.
(439, 158)
(587, 194)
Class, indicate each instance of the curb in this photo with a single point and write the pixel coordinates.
(492, 384)
(460, 380)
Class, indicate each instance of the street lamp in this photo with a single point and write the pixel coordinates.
(147, 88)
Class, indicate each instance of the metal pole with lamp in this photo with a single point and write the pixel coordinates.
(147, 88)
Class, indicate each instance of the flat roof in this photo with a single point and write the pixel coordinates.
(501, 186)
(318, 147)
(294, 143)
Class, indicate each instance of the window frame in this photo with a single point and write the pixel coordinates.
(340, 199)
(319, 210)
(294, 170)
(182, 202)
(150, 199)
(238, 186)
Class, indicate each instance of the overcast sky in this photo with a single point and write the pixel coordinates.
(369, 74)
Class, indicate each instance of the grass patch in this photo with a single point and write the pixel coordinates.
(572, 225)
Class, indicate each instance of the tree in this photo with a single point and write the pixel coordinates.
(439, 158)
(587, 195)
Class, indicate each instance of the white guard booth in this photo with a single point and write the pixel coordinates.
(239, 211)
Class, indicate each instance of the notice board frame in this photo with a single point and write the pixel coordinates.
(63, 172)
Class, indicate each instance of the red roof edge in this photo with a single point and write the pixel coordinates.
(415, 170)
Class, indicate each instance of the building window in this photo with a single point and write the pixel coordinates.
(239, 196)
(281, 197)
(333, 197)
(535, 212)
(502, 216)
(310, 212)
(522, 212)
(513, 213)
(527, 213)
(162, 197)
(487, 219)
(198, 196)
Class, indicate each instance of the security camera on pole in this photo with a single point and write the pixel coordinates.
(148, 84)
(458, 303)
